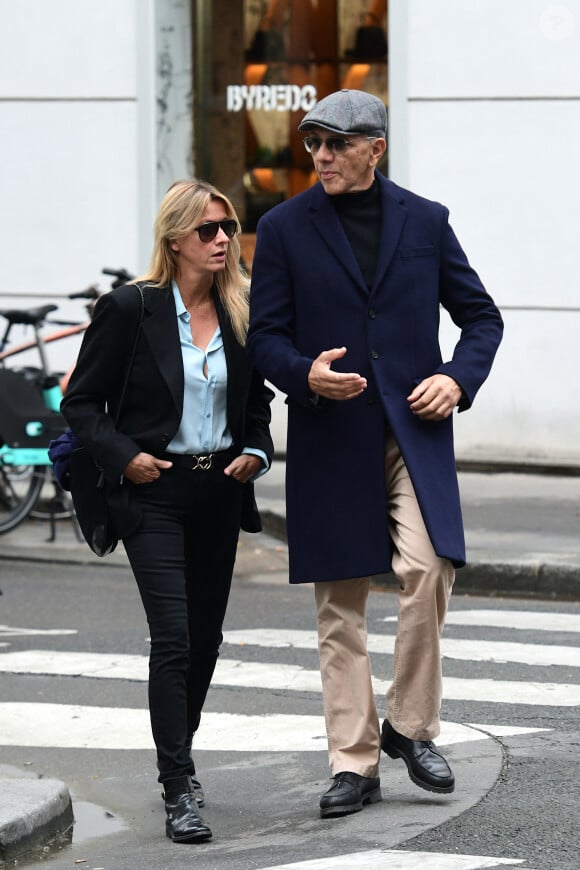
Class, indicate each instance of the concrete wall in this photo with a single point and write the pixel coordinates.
(68, 104)
(485, 117)
(95, 113)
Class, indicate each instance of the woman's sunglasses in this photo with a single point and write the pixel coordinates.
(208, 232)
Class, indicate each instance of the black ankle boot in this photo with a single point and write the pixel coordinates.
(184, 823)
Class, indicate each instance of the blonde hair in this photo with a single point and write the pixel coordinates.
(180, 211)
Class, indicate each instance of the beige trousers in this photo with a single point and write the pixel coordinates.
(414, 697)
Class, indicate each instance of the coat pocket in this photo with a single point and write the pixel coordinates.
(417, 251)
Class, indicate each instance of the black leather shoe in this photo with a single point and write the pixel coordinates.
(184, 824)
(348, 793)
(197, 789)
(195, 783)
(427, 767)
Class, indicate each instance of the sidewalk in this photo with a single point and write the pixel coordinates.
(523, 539)
(522, 532)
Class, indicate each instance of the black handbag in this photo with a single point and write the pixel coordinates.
(104, 513)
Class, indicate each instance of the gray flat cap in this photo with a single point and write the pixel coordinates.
(348, 111)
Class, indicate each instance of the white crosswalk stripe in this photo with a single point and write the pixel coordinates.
(13, 631)
(461, 650)
(394, 859)
(74, 726)
(265, 675)
(520, 620)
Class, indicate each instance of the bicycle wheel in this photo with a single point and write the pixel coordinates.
(19, 490)
(58, 506)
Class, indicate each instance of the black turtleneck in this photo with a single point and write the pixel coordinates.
(360, 215)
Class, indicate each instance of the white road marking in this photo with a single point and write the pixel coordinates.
(522, 620)
(76, 664)
(13, 631)
(451, 648)
(80, 727)
(394, 859)
(230, 672)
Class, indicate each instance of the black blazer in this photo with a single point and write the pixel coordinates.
(153, 403)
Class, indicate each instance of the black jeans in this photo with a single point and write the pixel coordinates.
(183, 557)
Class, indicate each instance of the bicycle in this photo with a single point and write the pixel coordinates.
(29, 414)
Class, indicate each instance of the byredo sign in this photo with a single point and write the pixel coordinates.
(271, 98)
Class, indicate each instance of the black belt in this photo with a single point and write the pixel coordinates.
(201, 461)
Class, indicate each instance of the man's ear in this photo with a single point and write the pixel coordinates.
(378, 149)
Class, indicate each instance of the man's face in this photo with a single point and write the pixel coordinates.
(344, 163)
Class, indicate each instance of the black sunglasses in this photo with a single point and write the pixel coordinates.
(208, 232)
(334, 143)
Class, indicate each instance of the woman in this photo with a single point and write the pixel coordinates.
(193, 433)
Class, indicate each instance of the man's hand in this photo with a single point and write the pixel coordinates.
(145, 468)
(323, 381)
(244, 467)
(435, 397)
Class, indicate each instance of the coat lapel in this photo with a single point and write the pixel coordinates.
(394, 215)
(326, 223)
(162, 334)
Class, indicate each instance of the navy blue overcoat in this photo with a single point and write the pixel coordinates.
(308, 295)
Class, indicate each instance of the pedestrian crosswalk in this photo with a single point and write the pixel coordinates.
(255, 658)
(394, 859)
(71, 726)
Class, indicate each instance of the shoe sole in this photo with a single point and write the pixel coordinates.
(427, 786)
(372, 797)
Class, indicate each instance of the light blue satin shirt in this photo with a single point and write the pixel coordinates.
(204, 427)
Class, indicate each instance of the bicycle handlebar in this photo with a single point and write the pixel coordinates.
(121, 276)
(90, 292)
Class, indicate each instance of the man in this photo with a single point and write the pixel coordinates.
(347, 283)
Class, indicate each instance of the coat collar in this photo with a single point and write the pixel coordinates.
(327, 223)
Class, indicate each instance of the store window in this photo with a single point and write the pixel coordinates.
(260, 65)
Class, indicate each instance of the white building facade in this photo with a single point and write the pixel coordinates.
(104, 102)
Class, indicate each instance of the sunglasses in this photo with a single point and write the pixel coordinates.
(336, 144)
(208, 232)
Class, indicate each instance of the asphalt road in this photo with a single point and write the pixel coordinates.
(511, 670)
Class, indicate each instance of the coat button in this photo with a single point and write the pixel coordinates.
(372, 313)
(375, 354)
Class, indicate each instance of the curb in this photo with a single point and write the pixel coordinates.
(33, 813)
(80, 555)
(542, 580)
(535, 580)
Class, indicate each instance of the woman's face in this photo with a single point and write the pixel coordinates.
(196, 256)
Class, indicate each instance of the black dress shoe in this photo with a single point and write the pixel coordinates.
(196, 786)
(427, 767)
(184, 824)
(348, 793)
(197, 789)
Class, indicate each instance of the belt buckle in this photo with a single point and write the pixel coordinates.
(202, 463)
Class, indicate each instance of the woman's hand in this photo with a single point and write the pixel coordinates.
(243, 467)
(145, 468)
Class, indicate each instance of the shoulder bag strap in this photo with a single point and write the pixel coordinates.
(132, 357)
